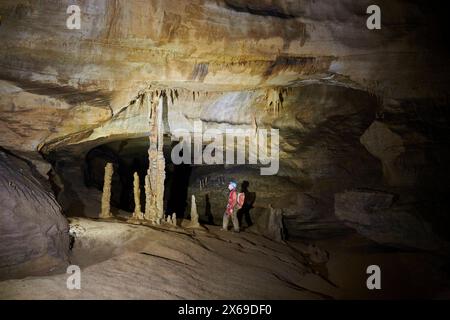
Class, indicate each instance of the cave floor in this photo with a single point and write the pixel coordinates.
(125, 261)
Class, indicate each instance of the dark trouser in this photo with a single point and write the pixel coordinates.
(245, 212)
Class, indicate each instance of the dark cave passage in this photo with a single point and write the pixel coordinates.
(125, 165)
(176, 188)
(130, 156)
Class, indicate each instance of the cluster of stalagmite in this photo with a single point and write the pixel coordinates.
(154, 180)
(106, 197)
(172, 219)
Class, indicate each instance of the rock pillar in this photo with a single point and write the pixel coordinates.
(194, 214)
(137, 214)
(106, 197)
(154, 183)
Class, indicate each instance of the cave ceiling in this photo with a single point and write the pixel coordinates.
(64, 86)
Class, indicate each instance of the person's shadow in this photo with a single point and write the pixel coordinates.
(249, 200)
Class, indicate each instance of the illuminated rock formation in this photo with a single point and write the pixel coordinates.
(194, 214)
(137, 214)
(174, 219)
(155, 174)
(106, 197)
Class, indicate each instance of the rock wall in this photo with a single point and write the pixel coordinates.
(34, 236)
(382, 217)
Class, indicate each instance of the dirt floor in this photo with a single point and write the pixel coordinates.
(124, 261)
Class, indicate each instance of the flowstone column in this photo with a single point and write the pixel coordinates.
(106, 197)
(137, 214)
(154, 181)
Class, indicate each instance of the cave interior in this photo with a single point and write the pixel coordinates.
(357, 120)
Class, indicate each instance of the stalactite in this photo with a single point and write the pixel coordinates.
(255, 125)
(275, 99)
(106, 197)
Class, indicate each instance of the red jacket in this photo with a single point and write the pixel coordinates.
(232, 200)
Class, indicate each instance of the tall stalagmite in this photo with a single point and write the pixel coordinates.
(194, 214)
(137, 198)
(106, 198)
(156, 172)
(174, 219)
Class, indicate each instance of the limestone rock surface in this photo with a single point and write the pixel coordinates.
(34, 236)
